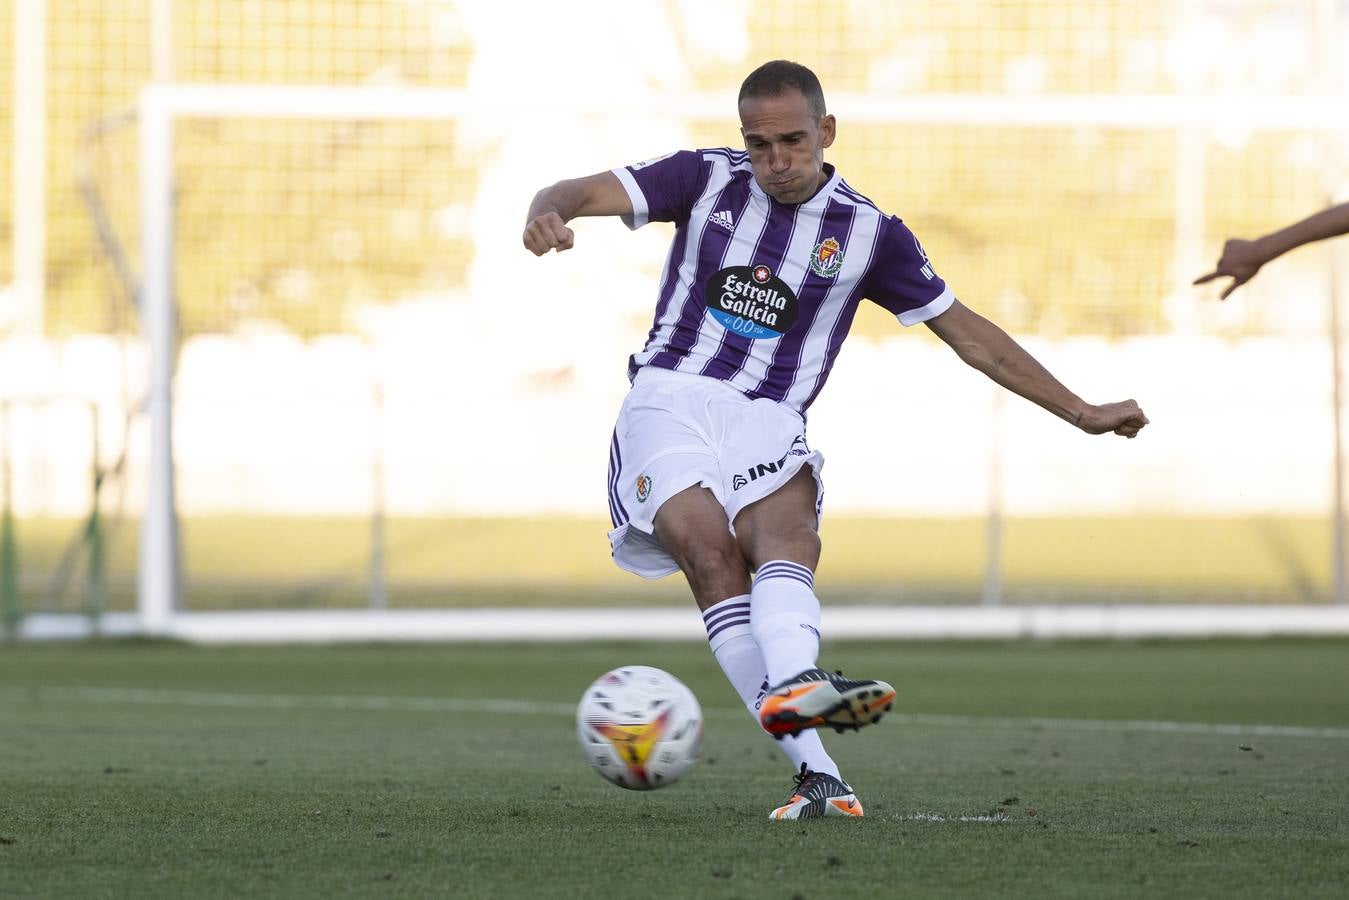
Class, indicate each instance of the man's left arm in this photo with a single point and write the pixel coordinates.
(986, 347)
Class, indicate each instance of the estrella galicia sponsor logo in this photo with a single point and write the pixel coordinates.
(751, 301)
(827, 258)
(643, 488)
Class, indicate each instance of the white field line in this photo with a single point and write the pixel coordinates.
(1039, 723)
(157, 697)
(939, 817)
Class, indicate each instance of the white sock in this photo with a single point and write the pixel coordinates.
(785, 618)
(728, 633)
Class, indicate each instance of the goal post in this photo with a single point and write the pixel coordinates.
(162, 105)
(157, 585)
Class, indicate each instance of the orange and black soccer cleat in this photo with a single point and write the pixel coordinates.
(816, 699)
(818, 795)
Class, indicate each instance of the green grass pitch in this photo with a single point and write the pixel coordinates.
(1007, 769)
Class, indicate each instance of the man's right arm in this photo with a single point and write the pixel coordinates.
(554, 206)
(1242, 259)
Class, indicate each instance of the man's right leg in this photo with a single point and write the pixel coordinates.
(693, 528)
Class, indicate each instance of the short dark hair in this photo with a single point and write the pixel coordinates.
(773, 79)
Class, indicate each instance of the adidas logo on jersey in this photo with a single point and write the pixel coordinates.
(723, 218)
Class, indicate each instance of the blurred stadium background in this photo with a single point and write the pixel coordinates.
(380, 399)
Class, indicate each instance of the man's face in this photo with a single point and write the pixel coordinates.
(786, 144)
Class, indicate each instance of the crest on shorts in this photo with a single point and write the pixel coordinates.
(827, 258)
(643, 488)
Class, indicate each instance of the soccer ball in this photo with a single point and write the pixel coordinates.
(639, 727)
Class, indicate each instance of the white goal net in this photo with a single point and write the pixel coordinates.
(376, 353)
(336, 397)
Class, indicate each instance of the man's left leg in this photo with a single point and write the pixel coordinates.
(692, 527)
(777, 535)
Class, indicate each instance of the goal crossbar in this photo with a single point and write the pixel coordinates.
(377, 102)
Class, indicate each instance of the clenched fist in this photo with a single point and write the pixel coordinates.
(548, 232)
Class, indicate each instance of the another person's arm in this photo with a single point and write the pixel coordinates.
(986, 347)
(1242, 259)
(554, 206)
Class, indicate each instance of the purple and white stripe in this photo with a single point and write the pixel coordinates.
(756, 241)
(689, 343)
(690, 188)
(617, 513)
(781, 568)
(822, 345)
(786, 250)
(799, 352)
(681, 267)
(726, 614)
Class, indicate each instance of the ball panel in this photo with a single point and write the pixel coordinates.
(639, 727)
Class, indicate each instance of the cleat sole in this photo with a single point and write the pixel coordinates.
(820, 704)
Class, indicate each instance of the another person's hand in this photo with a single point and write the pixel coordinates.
(1124, 418)
(548, 232)
(1240, 261)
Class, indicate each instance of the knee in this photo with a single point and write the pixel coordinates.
(800, 544)
(713, 564)
(808, 540)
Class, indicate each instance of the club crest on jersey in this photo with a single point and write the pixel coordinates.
(751, 301)
(643, 488)
(827, 258)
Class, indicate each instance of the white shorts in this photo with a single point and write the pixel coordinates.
(677, 430)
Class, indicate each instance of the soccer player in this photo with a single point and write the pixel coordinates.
(710, 472)
(1242, 259)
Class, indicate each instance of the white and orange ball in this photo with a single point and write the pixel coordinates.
(639, 727)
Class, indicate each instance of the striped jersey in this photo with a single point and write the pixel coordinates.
(761, 294)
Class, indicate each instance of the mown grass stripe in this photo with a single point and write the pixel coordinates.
(531, 707)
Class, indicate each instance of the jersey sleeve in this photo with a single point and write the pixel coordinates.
(902, 280)
(663, 189)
